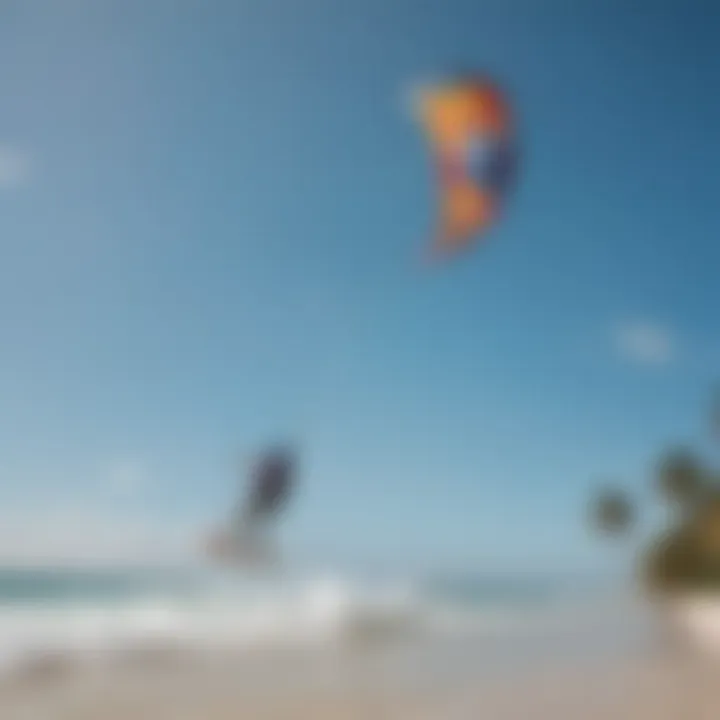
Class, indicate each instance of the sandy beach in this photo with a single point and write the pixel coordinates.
(333, 650)
(376, 683)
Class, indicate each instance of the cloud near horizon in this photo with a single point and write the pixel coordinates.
(92, 535)
(107, 523)
(127, 477)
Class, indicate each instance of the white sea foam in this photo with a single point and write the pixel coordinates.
(314, 612)
(219, 614)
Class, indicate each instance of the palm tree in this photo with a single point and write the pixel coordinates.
(705, 523)
(715, 414)
(612, 512)
(673, 560)
(681, 478)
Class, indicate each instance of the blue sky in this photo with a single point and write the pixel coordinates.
(210, 221)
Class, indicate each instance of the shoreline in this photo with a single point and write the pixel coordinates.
(335, 651)
(371, 683)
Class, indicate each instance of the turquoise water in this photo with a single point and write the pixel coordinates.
(99, 610)
(30, 585)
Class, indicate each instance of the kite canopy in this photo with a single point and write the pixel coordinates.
(469, 126)
(245, 541)
(270, 484)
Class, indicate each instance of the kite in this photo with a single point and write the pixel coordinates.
(244, 540)
(470, 129)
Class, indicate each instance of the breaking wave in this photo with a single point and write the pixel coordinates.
(84, 616)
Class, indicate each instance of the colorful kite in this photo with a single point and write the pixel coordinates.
(471, 133)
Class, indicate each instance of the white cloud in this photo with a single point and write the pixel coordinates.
(645, 343)
(88, 535)
(106, 522)
(15, 166)
(127, 478)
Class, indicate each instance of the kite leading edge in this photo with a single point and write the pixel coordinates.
(246, 539)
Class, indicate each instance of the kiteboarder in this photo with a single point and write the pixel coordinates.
(246, 540)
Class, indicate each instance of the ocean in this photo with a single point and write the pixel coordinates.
(100, 613)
